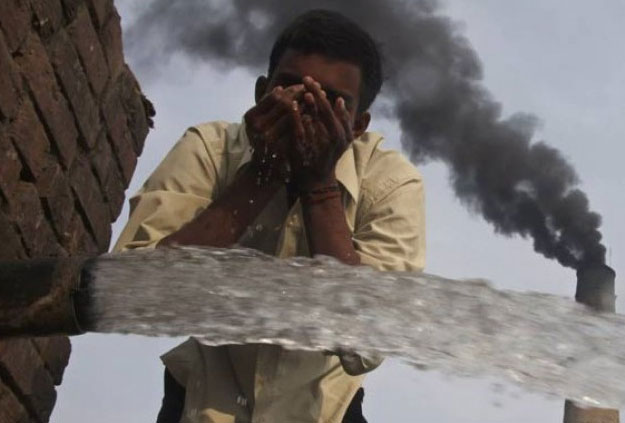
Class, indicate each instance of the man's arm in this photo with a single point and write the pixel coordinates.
(321, 137)
(224, 221)
(390, 233)
(326, 227)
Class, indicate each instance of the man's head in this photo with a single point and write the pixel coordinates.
(333, 50)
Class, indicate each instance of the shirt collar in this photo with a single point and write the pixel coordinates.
(345, 167)
(346, 172)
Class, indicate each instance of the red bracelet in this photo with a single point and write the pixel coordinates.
(319, 197)
(324, 190)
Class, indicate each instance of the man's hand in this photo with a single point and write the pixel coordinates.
(269, 127)
(322, 133)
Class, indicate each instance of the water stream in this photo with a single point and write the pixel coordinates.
(540, 342)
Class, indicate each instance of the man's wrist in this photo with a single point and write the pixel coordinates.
(317, 184)
(320, 193)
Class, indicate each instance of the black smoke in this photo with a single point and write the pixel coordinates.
(433, 84)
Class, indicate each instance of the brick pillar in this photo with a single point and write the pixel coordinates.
(72, 124)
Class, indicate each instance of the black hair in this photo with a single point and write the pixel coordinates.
(333, 35)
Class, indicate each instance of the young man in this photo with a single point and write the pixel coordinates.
(299, 177)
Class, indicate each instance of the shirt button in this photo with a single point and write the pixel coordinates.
(241, 400)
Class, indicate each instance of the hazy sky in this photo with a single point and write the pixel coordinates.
(562, 60)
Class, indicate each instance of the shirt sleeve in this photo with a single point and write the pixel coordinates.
(390, 233)
(181, 186)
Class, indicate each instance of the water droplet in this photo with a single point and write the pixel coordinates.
(259, 227)
(251, 201)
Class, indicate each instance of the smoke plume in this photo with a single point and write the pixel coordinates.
(433, 84)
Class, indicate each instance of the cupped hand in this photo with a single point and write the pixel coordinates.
(322, 133)
(270, 125)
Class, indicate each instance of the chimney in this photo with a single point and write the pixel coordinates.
(595, 288)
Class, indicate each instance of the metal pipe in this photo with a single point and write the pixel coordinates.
(595, 288)
(44, 297)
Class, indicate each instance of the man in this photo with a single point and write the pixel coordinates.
(300, 176)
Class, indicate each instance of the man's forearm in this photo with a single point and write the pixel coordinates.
(326, 227)
(223, 222)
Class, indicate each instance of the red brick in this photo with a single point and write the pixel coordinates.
(100, 157)
(26, 211)
(78, 240)
(88, 246)
(70, 7)
(10, 86)
(11, 410)
(52, 105)
(20, 360)
(118, 131)
(11, 164)
(30, 140)
(70, 238)
(100, 11)
(11, 247)
(56, 196)
(111, 38)
(85, 187)
(74, 82)
(114, 191)
(54, 351)
(126, 157)
(88, 46)
(15, 21)
(108, 174)
(138, 108)
(48, 16)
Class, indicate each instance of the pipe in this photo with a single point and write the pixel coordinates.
(595, 288)
(47, 296)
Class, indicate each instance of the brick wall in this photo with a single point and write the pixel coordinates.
(72, 123)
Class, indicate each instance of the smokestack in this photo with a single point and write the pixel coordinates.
(43, 297)
(595, 287)
(575, 414)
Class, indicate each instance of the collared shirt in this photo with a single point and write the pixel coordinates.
(384, 209)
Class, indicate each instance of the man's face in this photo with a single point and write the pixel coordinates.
(337, 78)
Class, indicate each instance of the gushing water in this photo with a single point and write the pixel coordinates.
(538, 341)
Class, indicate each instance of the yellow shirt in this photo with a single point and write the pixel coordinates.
(384, 209)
